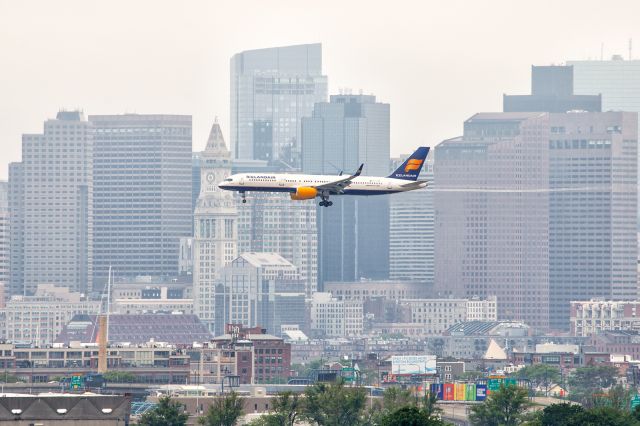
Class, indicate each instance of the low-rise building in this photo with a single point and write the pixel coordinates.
(332, 317)
(368, 289)
(175, 329)
(428, 317)
(595, 315)
(260, 357)
(40, 318)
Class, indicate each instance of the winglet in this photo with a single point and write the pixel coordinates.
(357, 173)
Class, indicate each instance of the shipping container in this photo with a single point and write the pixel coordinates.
(481, 392)
(470, 394)
(449, 392)
(460, 389)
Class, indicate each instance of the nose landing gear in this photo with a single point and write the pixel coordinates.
(244, 197)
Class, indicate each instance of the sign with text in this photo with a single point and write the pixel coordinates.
(413, 364)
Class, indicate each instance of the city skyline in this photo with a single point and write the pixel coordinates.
(404, 70)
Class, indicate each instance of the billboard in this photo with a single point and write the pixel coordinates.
(413, 364)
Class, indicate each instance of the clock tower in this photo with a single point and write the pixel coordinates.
(215, 236)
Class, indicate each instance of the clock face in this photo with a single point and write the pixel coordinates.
(210, 177)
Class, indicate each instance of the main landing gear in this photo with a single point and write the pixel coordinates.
(325, 201)
(244, 197)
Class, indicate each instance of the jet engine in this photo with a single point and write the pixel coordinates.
(304, 193)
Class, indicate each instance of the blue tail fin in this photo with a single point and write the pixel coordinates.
(410, 169)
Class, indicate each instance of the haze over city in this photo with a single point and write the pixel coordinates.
(329, 213)
(437, 63)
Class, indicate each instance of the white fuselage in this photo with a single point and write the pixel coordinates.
(284, 182)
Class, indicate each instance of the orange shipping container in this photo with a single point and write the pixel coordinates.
(460, 391)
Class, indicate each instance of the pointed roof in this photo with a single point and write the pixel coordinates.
(494, 351)
(216, 147)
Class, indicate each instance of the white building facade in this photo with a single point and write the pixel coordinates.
(215, 226)
(40, 318)
(333, 317)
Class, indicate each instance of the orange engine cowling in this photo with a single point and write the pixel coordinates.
(304, 193)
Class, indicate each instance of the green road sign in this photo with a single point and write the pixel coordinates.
(635, 401)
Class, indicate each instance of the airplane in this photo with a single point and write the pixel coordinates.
(307, 187)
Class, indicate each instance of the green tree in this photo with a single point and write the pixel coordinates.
(561, 414)
(605, 416)
(585, 382)
(503, 407)
(430, 407)
(166, 413)
(540, 375)
(119, 377)
(620, 398)
(225, 411)
(305, 370)
(334, 404)
(286, 408)
(409, 416)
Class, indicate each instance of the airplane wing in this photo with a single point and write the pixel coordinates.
(337, 186)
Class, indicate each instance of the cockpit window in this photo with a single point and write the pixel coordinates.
(228, 180)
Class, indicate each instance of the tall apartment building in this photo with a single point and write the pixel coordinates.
(215, 241)
(271, 90)
(41, 317)
(142, 193)
(274, 223)
(51, 207)
(353, 235)
(5, 234)
(260, 290)
(16, 227)
(411, 232)
(492, 214)
(332, 317)
(592, 209)
(552, 90)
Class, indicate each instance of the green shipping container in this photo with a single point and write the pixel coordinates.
(471, 392)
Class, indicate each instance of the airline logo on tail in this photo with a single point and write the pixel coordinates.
(413, 164)
(410, 169)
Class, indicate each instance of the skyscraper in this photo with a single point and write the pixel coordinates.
(592, 209)
(492, 214)
(142, 193)
(215, 241)
(538, 209)
(51, 206)
(411, 232)
(5, 238)
(16, 230)
(552, 90)
(271, 90)
(617, 80)
(353, 235)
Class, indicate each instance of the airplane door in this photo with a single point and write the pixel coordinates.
(280, 182)
(242, 181)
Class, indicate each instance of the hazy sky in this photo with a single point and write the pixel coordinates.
(436, 63)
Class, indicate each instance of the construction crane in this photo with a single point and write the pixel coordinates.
(103, 330)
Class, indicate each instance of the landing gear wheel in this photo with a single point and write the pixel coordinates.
(244, 201)
(329, 203)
